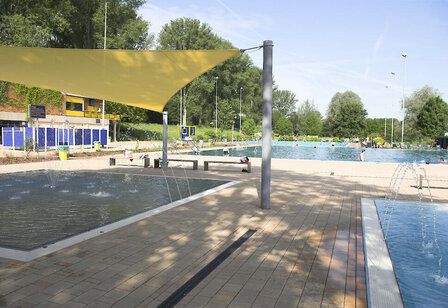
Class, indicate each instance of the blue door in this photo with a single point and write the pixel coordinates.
(18, 136)
(71, 137)
(40, 133)
(103, 137)
(63, 136)
(87, 137)
(51, 137)
(78, 136)
(7, 136)
(96, 135)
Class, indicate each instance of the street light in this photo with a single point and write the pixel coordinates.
(403, 55)
(392, 122)
(216, 105)
(241, 91)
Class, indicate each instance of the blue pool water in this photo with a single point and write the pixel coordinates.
(325, 151)
(417, 238)
(41, 207)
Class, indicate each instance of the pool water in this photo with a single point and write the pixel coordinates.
(417, 238)
(41, 207)
(325, 151)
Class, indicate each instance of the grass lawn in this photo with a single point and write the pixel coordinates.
(173, 130)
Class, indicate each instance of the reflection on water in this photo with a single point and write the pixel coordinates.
(33, 214)
(320, 152)
(417, 239)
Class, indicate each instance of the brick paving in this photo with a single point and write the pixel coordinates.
(307, 251)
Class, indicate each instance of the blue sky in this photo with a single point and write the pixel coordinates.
(322, 47)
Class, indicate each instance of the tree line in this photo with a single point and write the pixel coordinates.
(80, 24)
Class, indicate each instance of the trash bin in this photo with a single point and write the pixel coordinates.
(63, 152)
(97, 146)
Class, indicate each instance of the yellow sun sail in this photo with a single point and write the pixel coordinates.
(145, 79)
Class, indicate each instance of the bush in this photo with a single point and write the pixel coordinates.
(379, 140)
(286, 138)
(129, 132)
(312, 138)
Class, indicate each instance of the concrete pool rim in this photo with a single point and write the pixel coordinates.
(27, 256)
(381, 282)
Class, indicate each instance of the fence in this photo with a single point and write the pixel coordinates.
(46, 137)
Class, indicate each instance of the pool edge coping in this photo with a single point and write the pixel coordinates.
(27, 256)
(381, 283)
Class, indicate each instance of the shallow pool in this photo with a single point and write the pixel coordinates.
(41, 207)
(417, 238)
(324, 151)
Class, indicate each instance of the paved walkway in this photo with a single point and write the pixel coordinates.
(307, 251)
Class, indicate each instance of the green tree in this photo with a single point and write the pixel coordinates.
(127, 113)
(374, 127)
(312, 124)
(283, 101)
(413, 106)
(283, 127)
(346, 116)
(226, 114)
(75, 24)
(308, 119)
(432, 120)
(249, 127)
(199, 95)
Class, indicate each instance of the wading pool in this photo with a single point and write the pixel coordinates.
(40, 208)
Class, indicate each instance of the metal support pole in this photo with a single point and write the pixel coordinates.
(392, 131)
(115, 131)
(403, 106)
(105, 38)
(181, 93)
(216, 105)
(267, 126)
(165, 141)
(241, 90)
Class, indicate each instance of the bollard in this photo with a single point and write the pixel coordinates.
(112, 161)
(146, 162)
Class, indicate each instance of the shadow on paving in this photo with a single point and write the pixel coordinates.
(307, 251)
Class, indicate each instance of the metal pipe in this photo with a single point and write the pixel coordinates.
(216, 105)
(165, 141)
(241, 90)
(267, 126)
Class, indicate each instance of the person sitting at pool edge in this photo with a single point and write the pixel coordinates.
(128, 154)
(225, 150)
(244, 160)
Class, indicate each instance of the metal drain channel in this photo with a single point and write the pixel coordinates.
(180, 293)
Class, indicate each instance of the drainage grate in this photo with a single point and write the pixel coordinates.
(180, 293)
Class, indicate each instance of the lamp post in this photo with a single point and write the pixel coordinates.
(392, 122)
(216, 104)
(241, 91)
(403, 55)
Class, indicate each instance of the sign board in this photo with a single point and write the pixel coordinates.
(36, 111)
(187, 131)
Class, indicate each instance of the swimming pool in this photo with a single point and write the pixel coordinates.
(39, 208)
(339, 152)
(416, 234)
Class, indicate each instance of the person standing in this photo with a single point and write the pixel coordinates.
(361, 155)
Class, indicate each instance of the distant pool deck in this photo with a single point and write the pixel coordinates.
(308, 250)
